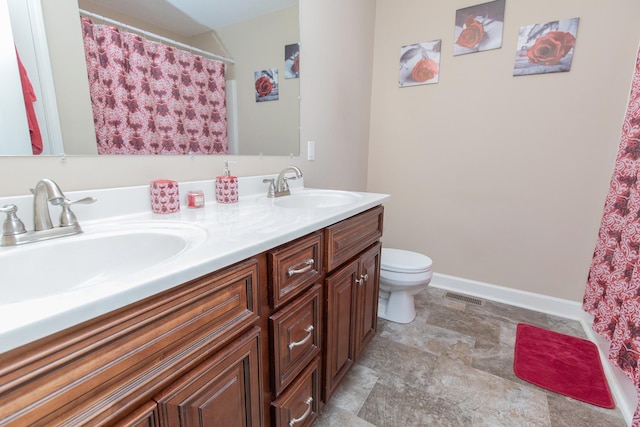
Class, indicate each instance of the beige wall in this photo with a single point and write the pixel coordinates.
(256, 45)
(335, 114)
(497, 178)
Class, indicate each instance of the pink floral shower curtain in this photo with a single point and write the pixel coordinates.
(149, 98)
(613, 285)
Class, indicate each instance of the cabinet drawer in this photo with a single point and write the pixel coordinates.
(294, 267)
(349, 237)
(300, 404)
(296, 332)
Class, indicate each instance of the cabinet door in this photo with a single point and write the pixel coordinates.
(222, 391)
(367, 289)
(340, 305)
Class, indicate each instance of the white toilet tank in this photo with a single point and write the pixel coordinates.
(402, 267)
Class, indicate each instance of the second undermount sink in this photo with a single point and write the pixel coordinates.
(314, 199)
(97, 257)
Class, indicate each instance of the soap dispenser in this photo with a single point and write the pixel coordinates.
(226, 186)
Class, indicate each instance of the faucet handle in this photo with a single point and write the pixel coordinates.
(12, 224)
(67, 217)
(272, 186)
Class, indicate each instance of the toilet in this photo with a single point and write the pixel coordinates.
(402, 275)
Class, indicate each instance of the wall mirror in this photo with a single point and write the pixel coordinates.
(253, 33)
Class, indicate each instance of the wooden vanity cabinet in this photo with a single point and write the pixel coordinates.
(351, 287)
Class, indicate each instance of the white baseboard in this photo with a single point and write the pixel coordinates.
(621, 386)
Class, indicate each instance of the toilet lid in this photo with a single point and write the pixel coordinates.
(403, 261)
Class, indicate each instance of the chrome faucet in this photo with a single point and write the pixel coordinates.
(45, 192)
(281, 186)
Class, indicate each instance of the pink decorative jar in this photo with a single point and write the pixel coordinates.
(164, 196)
(227, 189)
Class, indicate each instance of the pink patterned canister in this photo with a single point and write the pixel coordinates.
(227, 189)
(164, 196)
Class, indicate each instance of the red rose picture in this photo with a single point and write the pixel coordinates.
(472, 33)
(551, 48)
(479, 27)
(546, 48)
(424, 70)
(266, 85)
(420, 63)
(292, 61)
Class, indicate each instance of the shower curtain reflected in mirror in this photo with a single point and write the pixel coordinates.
(150, 98)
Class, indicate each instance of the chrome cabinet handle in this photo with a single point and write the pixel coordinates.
(306, 413)
(308, 330)
(308, 265)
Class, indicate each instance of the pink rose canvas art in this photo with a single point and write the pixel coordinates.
(546, 48)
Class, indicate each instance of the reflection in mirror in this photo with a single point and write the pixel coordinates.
(254, 43)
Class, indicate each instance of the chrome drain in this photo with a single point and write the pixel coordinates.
(463, 298)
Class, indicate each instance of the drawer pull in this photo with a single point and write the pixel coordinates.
(308, 266)
(308, 330)
(306, 413)
(363, 278)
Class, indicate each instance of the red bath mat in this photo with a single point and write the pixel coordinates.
(561, 363)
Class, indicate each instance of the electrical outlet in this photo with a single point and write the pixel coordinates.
(311, 150)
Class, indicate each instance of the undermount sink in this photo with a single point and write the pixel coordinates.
(313, 199)
(42, 269)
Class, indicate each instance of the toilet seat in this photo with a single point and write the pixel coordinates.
(401, 261)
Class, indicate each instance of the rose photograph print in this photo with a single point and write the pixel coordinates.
(420, 63)
(292, 61)
(546, 48)
(266, 83)
(479, 28)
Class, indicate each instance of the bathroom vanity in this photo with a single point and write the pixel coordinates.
(261, 338)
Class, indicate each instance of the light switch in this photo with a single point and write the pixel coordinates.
(311, 150)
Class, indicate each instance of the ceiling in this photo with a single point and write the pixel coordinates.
(191, 17)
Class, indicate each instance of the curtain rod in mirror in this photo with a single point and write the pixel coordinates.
(157, 37)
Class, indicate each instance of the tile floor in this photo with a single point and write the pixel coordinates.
(453, 366)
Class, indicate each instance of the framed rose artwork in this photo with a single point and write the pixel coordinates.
(546, 48)
(479, 28)
(266, 84)
(420, 63)
(292, 61)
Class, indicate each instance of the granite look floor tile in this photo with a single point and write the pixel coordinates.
(566, 412)
(393, 403)
(431, 339)
(477, 390)
(453, 366)
(464, 322)
(332, 416)
(509, 313)
(385, 356)
(566, 326)
(354, 389)
(496, 359)
(488, 417)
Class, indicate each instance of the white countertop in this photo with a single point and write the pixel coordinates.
(233, 233)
